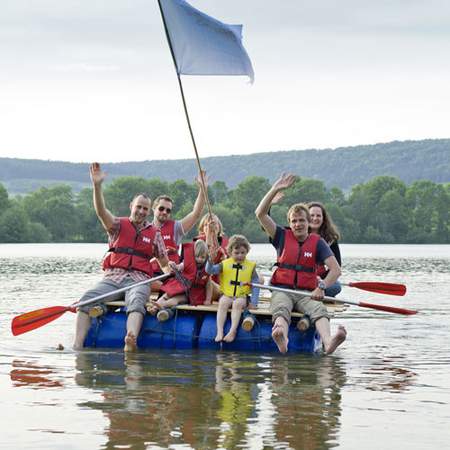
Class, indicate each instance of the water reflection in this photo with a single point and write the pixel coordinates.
(388, 375)
(215, 400)
(30, 374)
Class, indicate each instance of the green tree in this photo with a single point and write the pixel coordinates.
(219, 192)
(119, 194)
(90, 229)
(38, 233)
(374, 204)
(305, 190)
(248, 194)
(14, 225)
(54, 208)
(181, 194)
(4, 201)
(429, 205)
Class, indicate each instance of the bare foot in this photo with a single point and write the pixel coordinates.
(230, 336)
(280, 339)
(219, 337)
(337, 340)
(130, 342)
(153, 308)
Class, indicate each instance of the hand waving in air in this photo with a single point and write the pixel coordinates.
(97, 174)
(285, 181)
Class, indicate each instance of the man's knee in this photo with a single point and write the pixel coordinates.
(281, 311)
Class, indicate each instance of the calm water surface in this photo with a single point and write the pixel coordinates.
(388, 386)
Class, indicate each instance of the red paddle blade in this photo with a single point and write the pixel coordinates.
(392, 309)
(380, 288)
(36, 319)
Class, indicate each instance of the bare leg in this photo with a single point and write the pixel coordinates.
(330, 343)
(224, 304)
(166, 312)
(134, 324)
(280, 331)
(82, 327)
(236, 311)
(215, 296)
(173, 301)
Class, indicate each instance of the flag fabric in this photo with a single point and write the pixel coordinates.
(203, 45)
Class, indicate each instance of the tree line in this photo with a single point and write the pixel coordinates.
(382, 210)
(342, 167)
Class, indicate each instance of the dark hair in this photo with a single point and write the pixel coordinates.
(328, 230)
(141, 194)
(162, 197)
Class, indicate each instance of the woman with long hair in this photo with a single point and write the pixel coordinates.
(322, 224)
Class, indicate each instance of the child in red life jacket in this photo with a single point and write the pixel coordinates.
(235, 273)
(190, 284)
(211, 231)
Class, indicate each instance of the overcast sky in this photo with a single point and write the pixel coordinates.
(94, 80)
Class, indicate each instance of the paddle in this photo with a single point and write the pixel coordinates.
(391, 309)
(40, 317)
(372, 286)
(378, 287)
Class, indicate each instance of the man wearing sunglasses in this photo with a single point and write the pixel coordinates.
(172, 231)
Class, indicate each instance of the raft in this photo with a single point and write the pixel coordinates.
(194, 327)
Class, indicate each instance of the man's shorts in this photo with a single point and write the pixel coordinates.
(282, 304)
(135, 298)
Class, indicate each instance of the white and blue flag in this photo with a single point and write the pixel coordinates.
(203, 45)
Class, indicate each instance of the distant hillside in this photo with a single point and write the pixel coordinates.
(342, 167)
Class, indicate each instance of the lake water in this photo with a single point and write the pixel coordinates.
(388, 386)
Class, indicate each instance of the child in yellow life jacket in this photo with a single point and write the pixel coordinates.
(234, 272)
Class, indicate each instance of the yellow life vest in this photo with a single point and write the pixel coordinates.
(233, 274)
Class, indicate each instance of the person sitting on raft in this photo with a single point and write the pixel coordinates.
(133, 241)
(211, 231)
(234, 272)
(298, 255)
(172, 231)
(322, 224)
(191, 284)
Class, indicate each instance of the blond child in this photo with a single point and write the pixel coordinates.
(234, 272)
(191, 283)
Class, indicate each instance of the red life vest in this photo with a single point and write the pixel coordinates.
(297, 265)
(221, 253)
(132, 249)
(168, 235)
(193, 280)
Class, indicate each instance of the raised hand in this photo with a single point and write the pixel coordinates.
(285, 181)
(97, 174)
(199, 181)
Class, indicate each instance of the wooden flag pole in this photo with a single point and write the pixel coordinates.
(180, 84)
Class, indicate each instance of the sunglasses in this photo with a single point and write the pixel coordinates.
(162, 208)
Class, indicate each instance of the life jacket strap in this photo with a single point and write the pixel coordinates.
(128, 251)
(296, 267)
